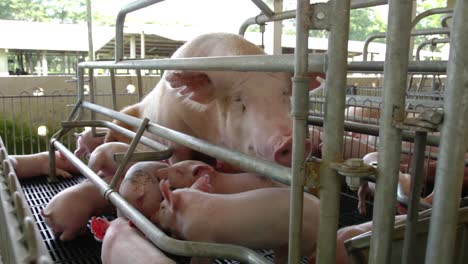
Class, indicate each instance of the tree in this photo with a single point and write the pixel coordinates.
(62, 11)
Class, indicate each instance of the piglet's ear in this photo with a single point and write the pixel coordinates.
(166, 192)
(201, 169)
(202, 184)
(197, 85)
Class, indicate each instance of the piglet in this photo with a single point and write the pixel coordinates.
(184, 174)
(84, 197)
(123, 244)
(86, 143)
(257, 219)
(141, 187)
(37, 164)
(69, 211)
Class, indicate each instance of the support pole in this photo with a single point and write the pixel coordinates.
(449, 173)
(395, 78)
(333, 130)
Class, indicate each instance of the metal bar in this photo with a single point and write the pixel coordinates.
(449, 172)
(430, 12)
(113, 89)
(128, 154)
(263, 8)
(119, 24)
(299, 113)
(417, 171)
(277, 63)
(243, 161)
(158, 237)
(395, 80)
(333, 131)
(413, 67)
(355, 4)
(374, 130)
(443, 21)
(422, 32)
(139, 85)
(429, 42)
(89, 16)
(262, 19)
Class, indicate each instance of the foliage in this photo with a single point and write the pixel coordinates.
(21, 138)
(63, 11)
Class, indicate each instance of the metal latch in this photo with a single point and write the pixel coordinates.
(355, 171)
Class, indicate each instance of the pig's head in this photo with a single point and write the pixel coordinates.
(183, 174)
(141, 187)
(253, 109)
(171, 207)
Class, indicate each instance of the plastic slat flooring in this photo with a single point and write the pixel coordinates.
(86, 250)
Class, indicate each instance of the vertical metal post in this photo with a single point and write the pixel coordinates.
(300, 111)
(335, 97)
(90, 30)
(395, 77)
(139, 85)
(453, 143)
(113, 89)
(417, 173)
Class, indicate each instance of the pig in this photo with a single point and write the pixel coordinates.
(102, 161)
(123, 243)
(363, 114)
(84, 197)
(346, 233)
(86, 143)
(257, 219)
(184, 174)
(85, 201)
(244, 111)
(37, 164)
(140, 187)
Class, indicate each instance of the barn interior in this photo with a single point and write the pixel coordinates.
(407, 107)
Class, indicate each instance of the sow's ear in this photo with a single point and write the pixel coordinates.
(197, 85)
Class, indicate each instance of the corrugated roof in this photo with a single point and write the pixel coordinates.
(23, 35)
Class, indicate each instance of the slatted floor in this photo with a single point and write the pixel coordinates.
(85, 249)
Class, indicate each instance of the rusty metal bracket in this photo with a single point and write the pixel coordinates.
(355, 171)
(428, 121)
(320, 16)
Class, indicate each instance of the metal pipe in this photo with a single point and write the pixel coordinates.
(119, 24)
(422, 32)
(113, 89)
(128, 154)
(333, 131)
(413, 67)
(89, 16)
(449, 172)
(299, 113)
(417, 171)
(243, 161)
(158, 237)
(130, 134)
(430, 12)
(429, 42)
(443, 21)
(139, 86)
(355, 4)
(263, 8)
(395, 80)
(262, 19)
(277, 63)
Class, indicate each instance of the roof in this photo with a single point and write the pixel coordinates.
(23, 35)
